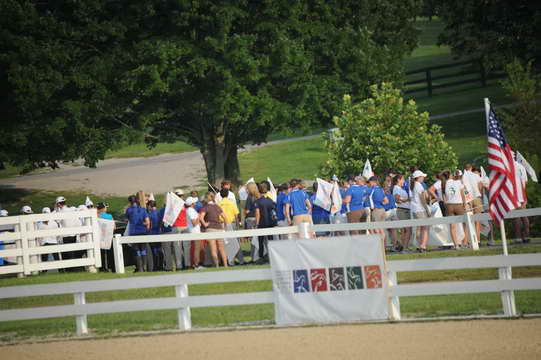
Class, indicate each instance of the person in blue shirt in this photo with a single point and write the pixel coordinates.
(378, 200)
(155, 229)
(139, 224)
(298, 204)
(319, 214)
(356, 198)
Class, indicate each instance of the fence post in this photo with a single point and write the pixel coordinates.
(24, 245)
(118, 254)
(96, 241)
(394, 306)
(304, 232)
(505, 273)
(472, 233)
(89, 252)
(80, 320)
(429, 81)
(184, 313)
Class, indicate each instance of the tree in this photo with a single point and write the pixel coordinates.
(219, 75)
(388, 132)
(494, 30)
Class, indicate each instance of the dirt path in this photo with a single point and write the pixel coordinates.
(126, 176)
(457, 340)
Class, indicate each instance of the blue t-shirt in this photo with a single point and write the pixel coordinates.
(376, 197)
(136, 216)
(344, 208)
(359, 196)
(106, 216)
(198, 206)
(154, 216)
(281, 199)
(161, 214)
(392, 203)
(317, 211)
(297, 200)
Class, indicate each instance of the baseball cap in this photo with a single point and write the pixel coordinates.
(26, 210)
(179, 191)
(189, 201)
(60, 199)
(101, 205)
(3, 212)
(45, 210)
(418, 173)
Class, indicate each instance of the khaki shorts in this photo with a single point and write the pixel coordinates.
(403, 214)
(378, 215)
(455, 209)
(357, 216)
(420, 215)
(477, 206)
(304, 218)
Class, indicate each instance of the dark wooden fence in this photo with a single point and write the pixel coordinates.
(465, 70)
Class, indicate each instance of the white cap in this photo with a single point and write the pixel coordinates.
(189, 201)
(3, 212)
(26, 209)
(82, 207)
(45, 210)
(179, 191)
(418, 173)
(60, 199)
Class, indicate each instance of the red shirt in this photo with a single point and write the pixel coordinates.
(181, 219)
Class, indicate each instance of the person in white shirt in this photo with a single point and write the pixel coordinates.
(402, 200)
(60, 206)
(419, 207)
(48, 240)
(455, 200)
(436, 189)
(194, 227)
(226, 184)
(522, 225)
(474, 185)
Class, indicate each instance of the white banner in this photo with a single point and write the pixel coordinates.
(440, 235)
(323, 194)
(367, 170)
(173, 207)
(334, 279)
(107, 229)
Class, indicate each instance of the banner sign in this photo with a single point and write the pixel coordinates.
(106, 233)
(335, 279)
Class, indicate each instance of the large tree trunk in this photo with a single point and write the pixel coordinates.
(214, 154)
(232, 168)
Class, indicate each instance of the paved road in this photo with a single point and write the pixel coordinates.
(126, 176)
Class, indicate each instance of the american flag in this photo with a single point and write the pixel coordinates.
(502, 188)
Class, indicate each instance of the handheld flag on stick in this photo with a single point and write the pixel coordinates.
(272, 190)
(251, 180)
(151, 197)
(323, 194)
(213, 188)
(367, 171)
(88, 202)
(529, 169)
(173, 207)
(502, 186)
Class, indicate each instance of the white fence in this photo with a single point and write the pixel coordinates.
(182, 302)
(23, 242)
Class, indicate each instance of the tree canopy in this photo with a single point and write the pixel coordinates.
(494, 30)
(389, 133)
(79, 77)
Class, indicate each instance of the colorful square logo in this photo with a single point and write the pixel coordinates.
(373, 277)
(355, 277)
(300, 281)
(336, 279)
(318, 278)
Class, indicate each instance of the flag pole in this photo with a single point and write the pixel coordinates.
(502, 225)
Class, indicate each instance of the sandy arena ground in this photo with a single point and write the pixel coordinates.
(456, 340)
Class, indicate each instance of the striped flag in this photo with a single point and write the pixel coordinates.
(502, 186)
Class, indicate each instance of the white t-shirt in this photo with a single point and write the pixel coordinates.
(437, 187)
(416, 204)
(403, 195)
(49, 226)
(452, 191)
(230, 196)
(67, 223)
(471, 182)
(191, 214)
(521, 178)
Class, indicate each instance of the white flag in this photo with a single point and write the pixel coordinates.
(484, 178)
(336, 198)
(251, 180)
(367, 171)
(272, 190)
(88, 202)
(323, 194)
(151, 197)
(173, 207)
(529, 169)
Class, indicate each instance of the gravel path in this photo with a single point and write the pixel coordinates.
(456, 340)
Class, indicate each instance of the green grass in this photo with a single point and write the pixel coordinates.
(110, 324)
(142, 150)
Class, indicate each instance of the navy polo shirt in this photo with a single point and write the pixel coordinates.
(136, 216)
